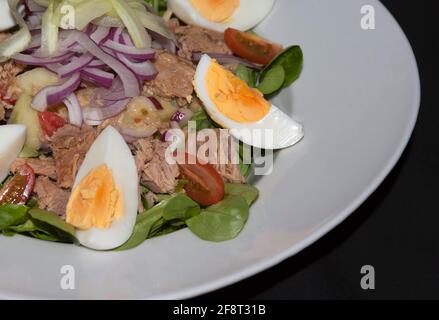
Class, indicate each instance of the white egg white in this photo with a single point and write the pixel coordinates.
(111, 149)
(247, 16)
(12, 138)
(282, 131)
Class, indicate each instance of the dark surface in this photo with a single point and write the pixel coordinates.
(397, 229)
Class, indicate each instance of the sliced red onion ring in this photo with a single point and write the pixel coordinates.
(227, 58)
(98, 76)
(129, 80)
(96, 63)
(108, 111)
(75, 111)
(164, 42)
(182, 117)
(55, 94)
(33, 6)
(133, 52)
(139, 133)
(35, 61)
(101, 34)
(144, 70)
(75, 65)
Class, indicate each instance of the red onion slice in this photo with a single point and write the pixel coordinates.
(30, 60)
(101, 34)
(96, 63)
(182, 117)
(75, 111)
(98, 76)
(108, 111)
(227, 58)
(76, 65)
(133, 52)
(164, 42)
(144, 70)
(55, 94)
(129, 80)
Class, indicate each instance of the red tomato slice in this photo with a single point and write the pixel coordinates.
(251, 47)
(205, 185)
(50, 122)
(18, 189)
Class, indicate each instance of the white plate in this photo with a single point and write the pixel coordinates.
(358, 97)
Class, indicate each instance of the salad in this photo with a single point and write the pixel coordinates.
(124, 120)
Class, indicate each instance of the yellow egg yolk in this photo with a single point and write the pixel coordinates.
(233, 97)
(216, 10)
(96, 201)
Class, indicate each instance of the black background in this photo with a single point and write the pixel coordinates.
(397, 229)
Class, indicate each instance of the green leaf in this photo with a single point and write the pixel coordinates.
(12, 215)
(180, 207)
(142, 229)
(202, 120)
(51, 224)
(291, 60)
(248, 75)
(222, 221)
(28, 226)
(248, 192)
(273, 80)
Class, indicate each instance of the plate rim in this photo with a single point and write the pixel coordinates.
(317, 234)
(331, 224)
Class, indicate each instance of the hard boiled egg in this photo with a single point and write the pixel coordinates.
(234, 105)
(222, 14)
(12, 138)
(103, 204)
(6, 19)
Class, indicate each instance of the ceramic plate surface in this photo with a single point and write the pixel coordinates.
(358, 98)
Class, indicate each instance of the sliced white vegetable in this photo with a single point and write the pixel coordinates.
(11, 146)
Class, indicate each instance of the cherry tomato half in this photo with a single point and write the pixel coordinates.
(205, 185)
(19, 188)
(50, 122)
(251, 47)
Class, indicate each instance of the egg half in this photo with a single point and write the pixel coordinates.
(103, 203)
(12, 138)
(222, 14)
(231, 103)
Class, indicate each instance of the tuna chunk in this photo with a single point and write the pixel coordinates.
(69, 145)
(225, 159)
(174, 79)
(42, 167)
(9, 91)
(195, 39)
(50, 197)
(155, 173)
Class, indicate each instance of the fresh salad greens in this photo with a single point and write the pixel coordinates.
(35, 223)
(158, 5)
(279, 74)
(220, 222)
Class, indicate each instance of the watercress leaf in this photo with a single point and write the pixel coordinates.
(12, 215)
(45, 236)
(222, 221)
(144, 224)
(51, 224)
(28, 226)
(202, 120)
(180, 207)
(273, 80)
(248, 75)
(291, 60)
(248, 192)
